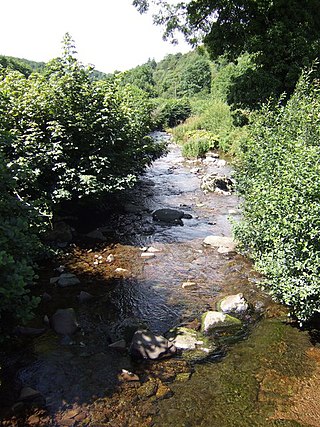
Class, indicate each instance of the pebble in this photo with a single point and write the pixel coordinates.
(128, 376)
(110, 258)
(147, 255)
(189, 285)
(120, 270)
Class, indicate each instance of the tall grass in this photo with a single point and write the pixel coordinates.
(211, 126)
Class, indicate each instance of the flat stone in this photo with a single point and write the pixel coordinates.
(85, 296)
(96, 235)
(120, 270)
(220, 241)
(183, 376)
(68, 279)
(54, 280)
(186, 339)
(128, 376)
(163, 392)
(23, 330)
(153, 250)
(46, 297)
(216, 320)
(147, 255)
(189, 285)
(233, 304)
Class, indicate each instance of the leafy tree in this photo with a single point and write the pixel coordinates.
(15, 64)
(142, 77)
(282, 34)
(196, 77)
(72, 137)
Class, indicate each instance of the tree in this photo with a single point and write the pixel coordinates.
(282, 34)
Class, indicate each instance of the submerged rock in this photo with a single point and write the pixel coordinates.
(125, 329)
(233, 304)
(146, 345)
(227, 243)
(96, 235)
(64, 321)
(68, 279)
(212, 320)
(29, 394)
(85, 296)
(170, 216)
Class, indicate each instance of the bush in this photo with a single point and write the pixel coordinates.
(198, 143)
(211, 127)
(19, 246)
(168, 113)
(280, 182)
(72, 137)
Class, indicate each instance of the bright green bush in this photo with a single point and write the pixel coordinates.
(198, 143)
(72, 137)
(211, 127)
(279, 180)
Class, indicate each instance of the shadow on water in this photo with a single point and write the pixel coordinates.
(80, 376)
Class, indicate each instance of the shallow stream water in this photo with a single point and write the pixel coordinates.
(258, 381)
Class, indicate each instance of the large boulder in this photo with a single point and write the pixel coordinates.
(170, 216)
(146, 345)
(212, 321)
(64, 321)
(233, 304)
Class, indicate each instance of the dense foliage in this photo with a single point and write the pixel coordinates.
(71, 137)
(282, 35)
(280, 180)
(19, 245)
(167, 113)
(210, 126)
(176, 76)
(62, 136)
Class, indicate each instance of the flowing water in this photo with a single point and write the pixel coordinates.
(258, 381)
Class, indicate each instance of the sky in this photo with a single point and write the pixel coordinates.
(110, 34)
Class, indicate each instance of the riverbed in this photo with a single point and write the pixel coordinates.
(266, 376)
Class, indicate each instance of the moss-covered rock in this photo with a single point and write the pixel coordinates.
(214, 320)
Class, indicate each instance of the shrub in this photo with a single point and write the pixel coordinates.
(19, 246)
(280, 182)
(198, 143)
(72, 137)
(168, 113)
(211, 127)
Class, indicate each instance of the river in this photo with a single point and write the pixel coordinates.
(265, 376)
